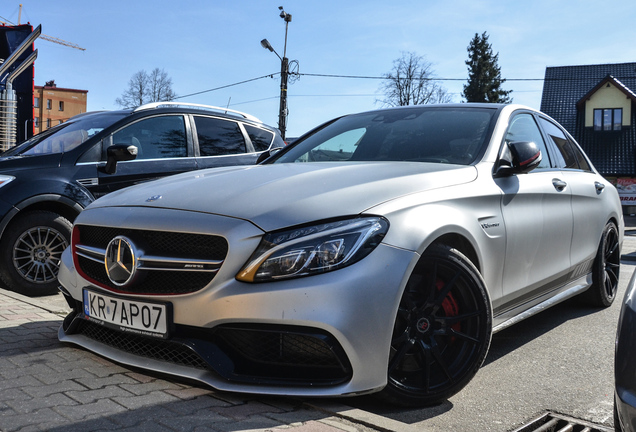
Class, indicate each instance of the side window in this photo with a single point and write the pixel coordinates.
(568, 151)
(218, 137)
(155, 137)
(524, 128)
(261, 138)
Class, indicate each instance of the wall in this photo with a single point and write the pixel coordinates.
(608, 97)
(74, 103)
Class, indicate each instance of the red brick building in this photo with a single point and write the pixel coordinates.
(53, 105)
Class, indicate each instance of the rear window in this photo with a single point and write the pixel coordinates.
(219, 137)
(261, 138)
(571, 156)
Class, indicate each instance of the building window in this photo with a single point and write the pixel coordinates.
(608, 119)
(48, 104)
(48, 123)
(36, 102)
(36, 122)
(61, 105)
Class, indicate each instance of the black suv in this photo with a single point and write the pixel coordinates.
(45, 182)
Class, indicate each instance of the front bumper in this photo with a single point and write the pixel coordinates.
(324, 335)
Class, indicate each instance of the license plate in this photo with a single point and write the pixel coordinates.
(132, 316)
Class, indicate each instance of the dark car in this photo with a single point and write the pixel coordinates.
(45, 182)
(624, 370)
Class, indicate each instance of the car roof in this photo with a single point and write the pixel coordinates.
(180, 107)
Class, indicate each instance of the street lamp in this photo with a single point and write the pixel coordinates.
(284, 74)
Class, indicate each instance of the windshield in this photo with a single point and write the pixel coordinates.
(67, 136)
(453, 135)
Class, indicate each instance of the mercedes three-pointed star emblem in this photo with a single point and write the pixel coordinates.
(120, 260)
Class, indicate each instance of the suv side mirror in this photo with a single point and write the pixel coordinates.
(267, 153)
(116, 153)
(519, 157)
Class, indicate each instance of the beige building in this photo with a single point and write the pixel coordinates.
(597, 105)
(53, 105)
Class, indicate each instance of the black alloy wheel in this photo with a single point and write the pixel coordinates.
(606, 269)
(442, 330)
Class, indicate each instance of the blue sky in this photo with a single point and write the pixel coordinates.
(208, 44)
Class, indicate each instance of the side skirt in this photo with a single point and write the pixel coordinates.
(513, 316)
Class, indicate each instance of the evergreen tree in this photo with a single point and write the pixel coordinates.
(484, 75)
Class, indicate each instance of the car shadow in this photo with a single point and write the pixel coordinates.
(526, 331)
(502, 343)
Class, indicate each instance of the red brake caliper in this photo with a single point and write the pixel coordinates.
(450, 306)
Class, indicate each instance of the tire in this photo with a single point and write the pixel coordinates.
(605, 270)
(30, 252)
(617, 422)
(442, 330)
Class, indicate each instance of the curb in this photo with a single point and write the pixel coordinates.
(33, 302)
(365, 418)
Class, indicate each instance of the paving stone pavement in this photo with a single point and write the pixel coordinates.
(49, 386)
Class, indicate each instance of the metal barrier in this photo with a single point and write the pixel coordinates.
(8, 120)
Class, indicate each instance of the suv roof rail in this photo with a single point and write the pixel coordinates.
(154, 105)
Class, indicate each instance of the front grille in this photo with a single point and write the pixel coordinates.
(266, 355)
(159, 242)
(157, 349)
(169, 245)
(152, 282)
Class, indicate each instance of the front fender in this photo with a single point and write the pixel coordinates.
(475, 217)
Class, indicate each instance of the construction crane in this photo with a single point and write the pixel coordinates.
(61, 42)
(51, 38)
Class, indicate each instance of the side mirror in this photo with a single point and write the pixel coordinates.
(267, 153)
(117, 153)
(521, 157)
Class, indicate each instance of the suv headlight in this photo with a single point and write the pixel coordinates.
(5, 179)
(313, 249)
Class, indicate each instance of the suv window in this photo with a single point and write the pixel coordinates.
(571, 156)
(219, 137)
(261, 138)
(523, 127)
(155, 137)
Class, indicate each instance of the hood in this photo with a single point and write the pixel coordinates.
(282, 195)
(19, 162)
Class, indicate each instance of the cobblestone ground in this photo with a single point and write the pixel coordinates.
(46, 385)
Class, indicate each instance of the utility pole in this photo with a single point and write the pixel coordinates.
(284, 74)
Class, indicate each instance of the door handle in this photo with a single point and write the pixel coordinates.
(559, 184)
(599, 187)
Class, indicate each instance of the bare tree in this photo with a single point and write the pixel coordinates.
(144, 88)
(160, 88)
(411, 82)
(135, 94)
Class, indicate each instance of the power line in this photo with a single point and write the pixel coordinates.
(456, 79)
(272, 75)
(228, 85)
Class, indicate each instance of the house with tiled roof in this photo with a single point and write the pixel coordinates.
(597, 105)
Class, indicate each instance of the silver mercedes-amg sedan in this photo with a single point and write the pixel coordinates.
(378, 253)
